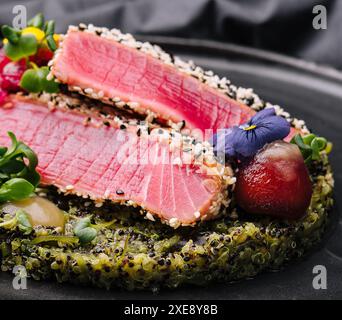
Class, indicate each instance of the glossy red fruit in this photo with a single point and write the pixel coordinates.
(275, 182)
(10, 75)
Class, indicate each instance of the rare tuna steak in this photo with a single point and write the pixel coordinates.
(158, 171)
(114, 68)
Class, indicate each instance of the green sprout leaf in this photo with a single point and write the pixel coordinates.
(16, 189)
(18, 175)
(51, 43)
(11, 34)
(37, 21)
(35, 81)
(49, 86)
(49, 28)
(311, 146)
(26, 46)
(30, 81)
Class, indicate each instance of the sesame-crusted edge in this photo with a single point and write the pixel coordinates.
(240, 94)
(201, 153)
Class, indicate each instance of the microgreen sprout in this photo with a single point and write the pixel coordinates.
(37, 21)
(311, 146)
(18, 175)
(31, 44)
(35, 80)
(18, 46)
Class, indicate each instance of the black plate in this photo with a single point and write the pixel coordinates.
(305, 90)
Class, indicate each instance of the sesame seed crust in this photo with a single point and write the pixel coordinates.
(243, 95)
(198, 153)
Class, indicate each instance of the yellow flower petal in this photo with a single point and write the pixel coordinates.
(39, 34)
(56, 37)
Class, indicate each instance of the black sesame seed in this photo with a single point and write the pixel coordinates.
(139, 132)
(186, 258)
(106, 123)
(183, 124)
(131, 264)
(161, 262)
(119, 192)
(122, 127)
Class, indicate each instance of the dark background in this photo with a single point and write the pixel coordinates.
(305, 90)
(283, 26)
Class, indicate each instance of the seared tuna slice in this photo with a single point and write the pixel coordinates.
(161, 171)
(98, 63)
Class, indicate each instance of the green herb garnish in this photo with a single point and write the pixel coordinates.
(49, 30)
(311, 146)
(35, 80)
(19, 46)
(18, 175)
(37, 21)
(23, 44)
(84, 230)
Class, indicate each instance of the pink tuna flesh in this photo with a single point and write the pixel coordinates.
(101, 162)
(89, 61)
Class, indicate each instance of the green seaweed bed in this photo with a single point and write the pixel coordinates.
(135, 253)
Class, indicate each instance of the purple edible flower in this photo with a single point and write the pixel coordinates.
(245, 140)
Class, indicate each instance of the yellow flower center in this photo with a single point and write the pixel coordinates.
(251, 127)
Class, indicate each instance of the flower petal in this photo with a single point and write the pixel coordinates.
(245, 141)
(223, 142)
(261, 115)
